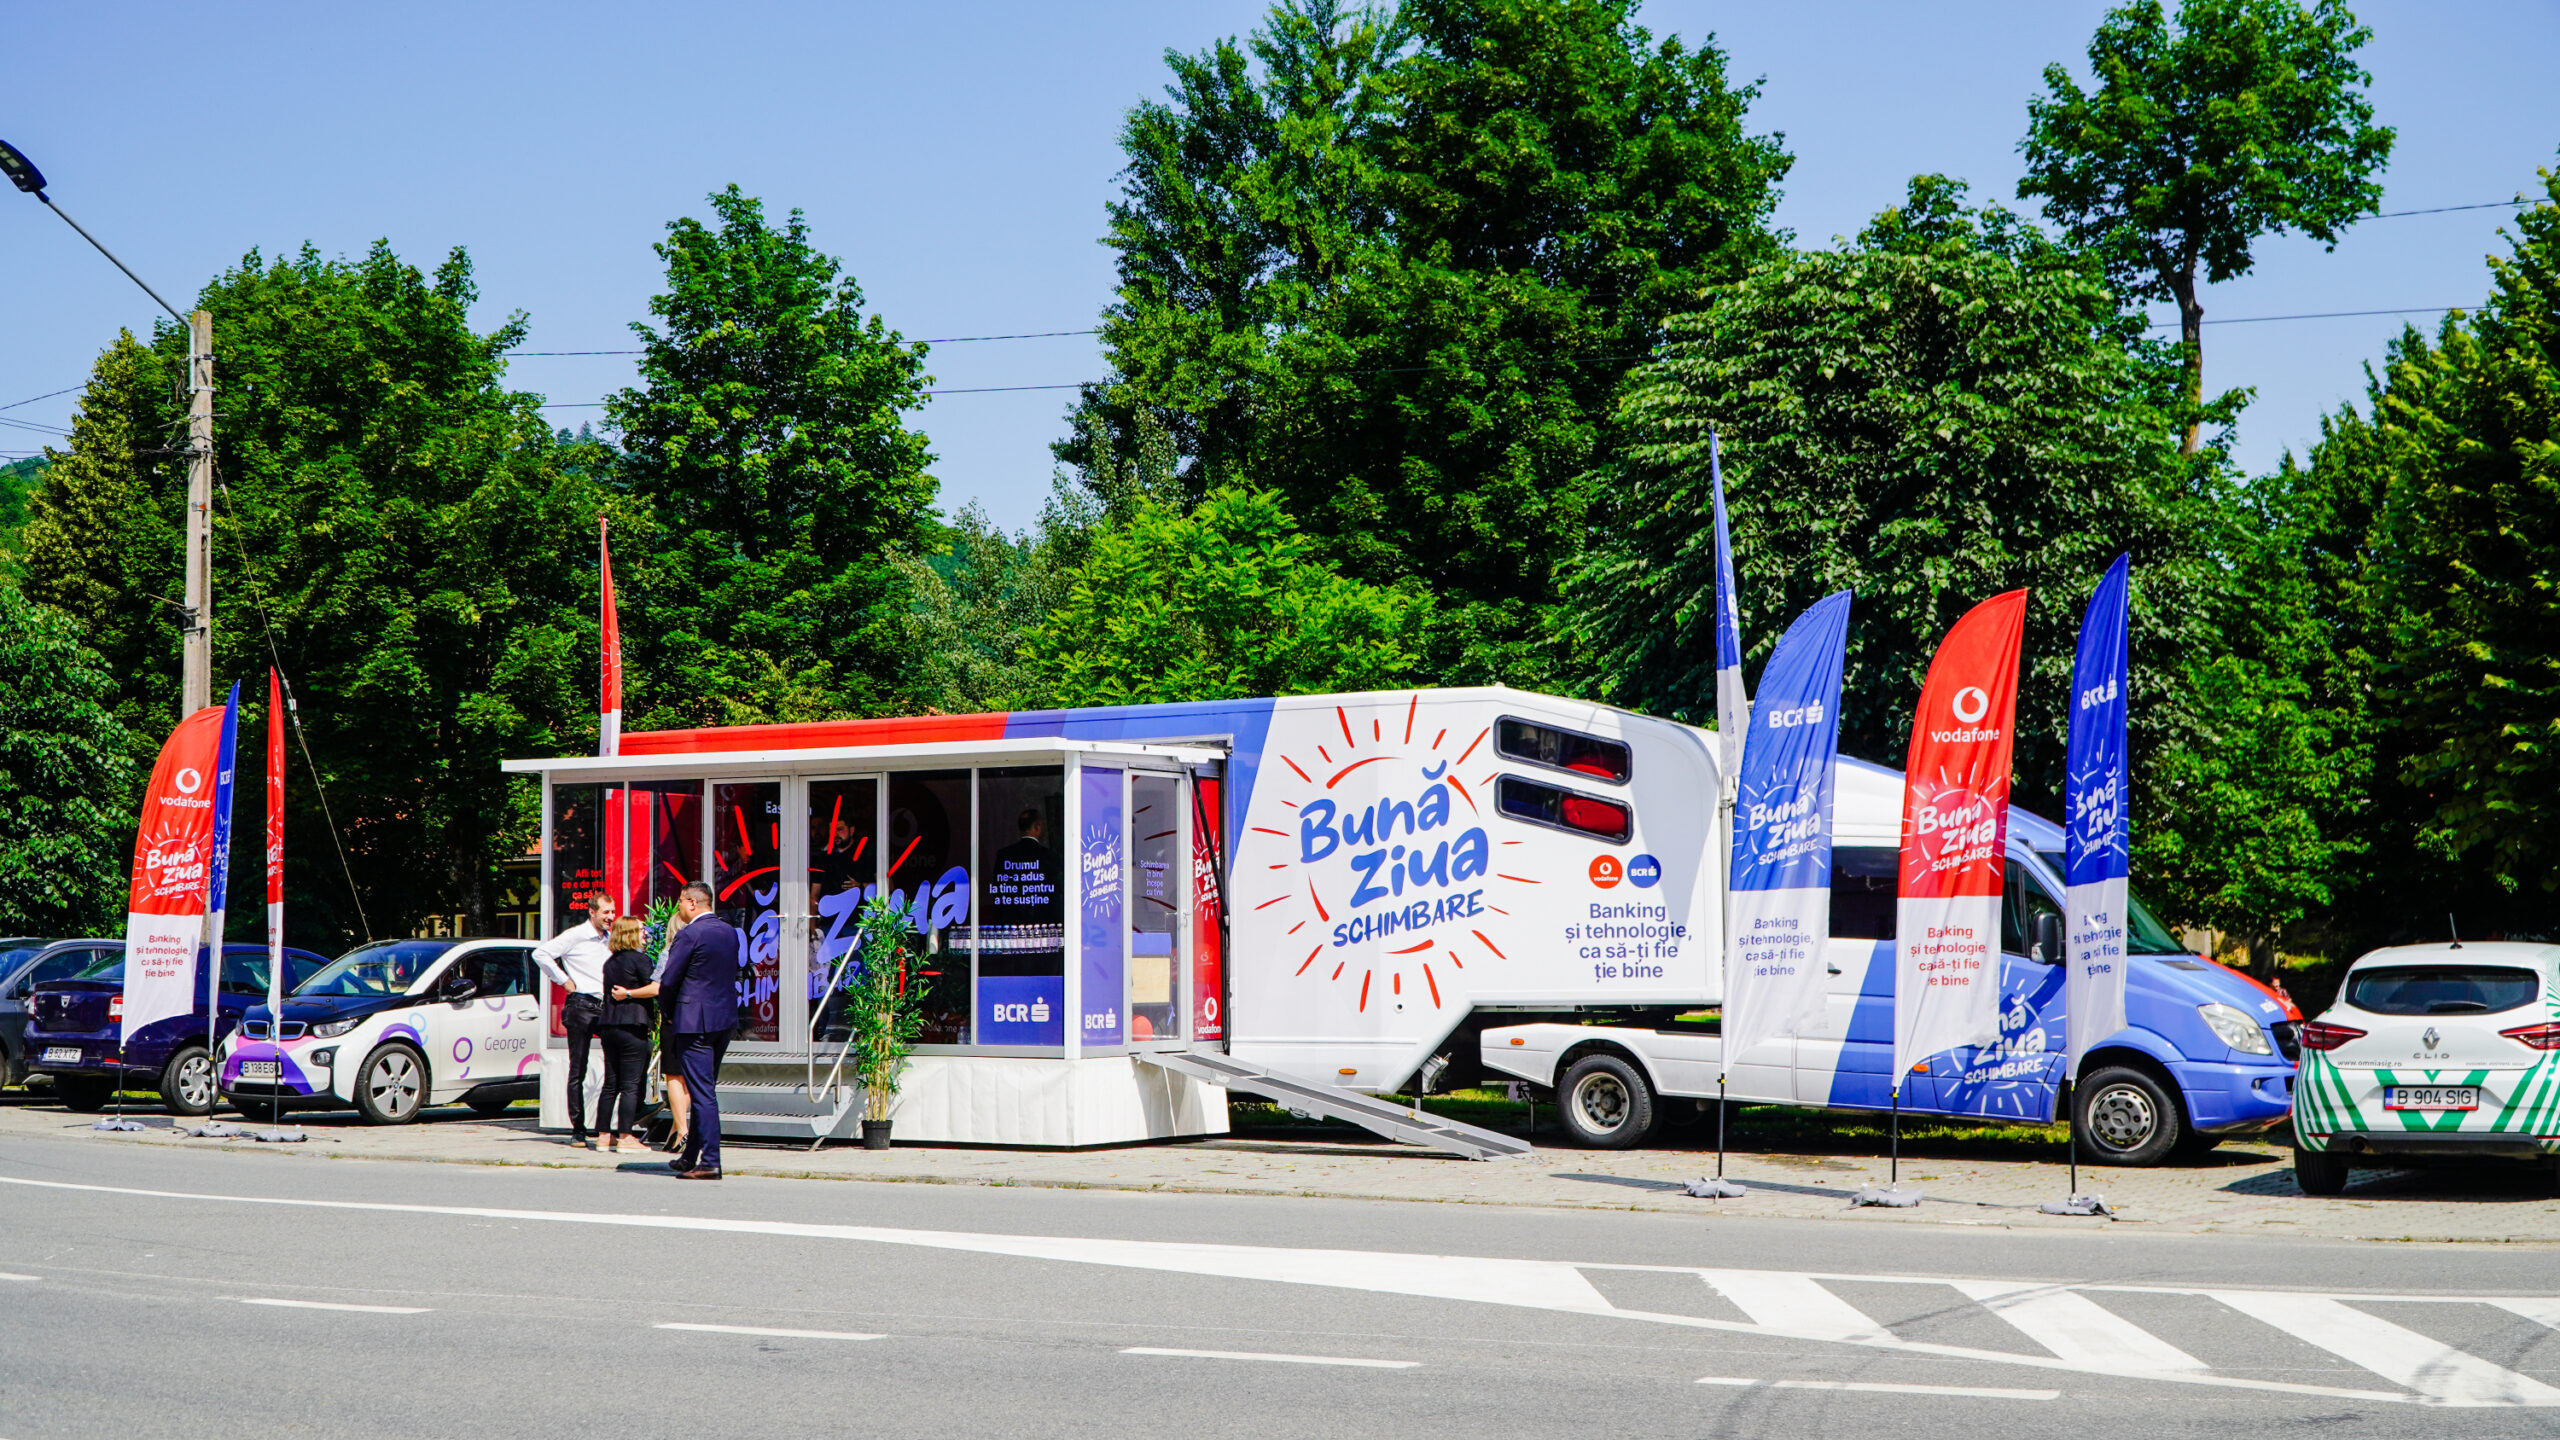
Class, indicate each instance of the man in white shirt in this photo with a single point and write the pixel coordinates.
(574, 960)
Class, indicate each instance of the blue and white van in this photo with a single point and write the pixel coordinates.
(2209, 1053)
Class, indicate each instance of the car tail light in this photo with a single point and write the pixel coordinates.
(2540, 1037)
(115, 1008)
(2321, 1035)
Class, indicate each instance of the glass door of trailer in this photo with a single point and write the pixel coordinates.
(745, 842)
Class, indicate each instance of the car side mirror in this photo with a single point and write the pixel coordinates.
(456, 987)
(2047, 949)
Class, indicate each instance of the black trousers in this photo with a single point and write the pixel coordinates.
(578, 1016)
(626, 1077)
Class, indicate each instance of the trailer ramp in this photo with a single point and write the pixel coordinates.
(1335, 1103)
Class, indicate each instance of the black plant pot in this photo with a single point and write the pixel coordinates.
(875, 1134)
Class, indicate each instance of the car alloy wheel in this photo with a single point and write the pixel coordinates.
(393, 1085)
(195, 1082)
(2122, 1117)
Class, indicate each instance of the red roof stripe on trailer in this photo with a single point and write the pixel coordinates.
(816, 735)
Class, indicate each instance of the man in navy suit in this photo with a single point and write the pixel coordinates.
(702, 975)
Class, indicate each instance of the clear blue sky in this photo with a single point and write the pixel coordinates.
(958, 157)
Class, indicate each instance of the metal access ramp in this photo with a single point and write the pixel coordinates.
(1335, 1103)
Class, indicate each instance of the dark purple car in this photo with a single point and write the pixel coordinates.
(72, 1030)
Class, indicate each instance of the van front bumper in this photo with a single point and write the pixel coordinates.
(2235, 1100)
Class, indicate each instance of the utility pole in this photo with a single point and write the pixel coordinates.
(196, 682)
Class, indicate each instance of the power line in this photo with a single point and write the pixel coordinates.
(30, 400)
(2322, 315)
(2448, 209)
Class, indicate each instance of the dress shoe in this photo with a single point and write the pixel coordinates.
(697, 1174)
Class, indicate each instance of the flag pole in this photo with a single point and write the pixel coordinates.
(1893, 1174)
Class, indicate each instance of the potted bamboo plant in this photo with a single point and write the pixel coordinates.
(884, 1011)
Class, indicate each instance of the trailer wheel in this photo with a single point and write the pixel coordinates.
(1607, 1103)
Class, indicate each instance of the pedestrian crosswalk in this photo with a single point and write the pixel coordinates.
(2087, 1328)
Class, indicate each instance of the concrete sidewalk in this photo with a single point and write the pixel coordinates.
(2242, 1188)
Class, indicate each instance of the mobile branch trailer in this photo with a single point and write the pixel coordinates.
(1127, 910)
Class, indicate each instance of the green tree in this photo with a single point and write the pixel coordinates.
(2444, 498)
(407, 535)
(765, 439)
(2240, 119)
(1227, 600)
(1949, 408)
(1394, 268)
(67, 776)
(103, 541)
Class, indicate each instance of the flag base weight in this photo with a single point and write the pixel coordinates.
(1718, 1188)
(118, 1122)
(1893, 1197)
(2078, 1205)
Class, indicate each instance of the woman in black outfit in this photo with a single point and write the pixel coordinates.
(624, 1029)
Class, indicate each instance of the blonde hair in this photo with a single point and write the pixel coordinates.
(629, 933)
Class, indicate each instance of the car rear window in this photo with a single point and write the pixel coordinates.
(2442, 989)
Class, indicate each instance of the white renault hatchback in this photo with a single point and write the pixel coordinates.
(2432, 1050)
(393, 1027)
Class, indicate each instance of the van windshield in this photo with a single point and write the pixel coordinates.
(2441, 989)
(2144, 934)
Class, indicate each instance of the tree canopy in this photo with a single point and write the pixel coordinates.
(401, 531)
(2240, 119)
(765, 443)
(68, 771)
(1393, 265)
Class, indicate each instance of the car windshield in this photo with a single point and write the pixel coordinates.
(2441, 989)
(386, 967)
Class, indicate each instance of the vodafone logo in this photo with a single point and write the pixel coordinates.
(1971, 704)
(1606, 871)
(189, 780)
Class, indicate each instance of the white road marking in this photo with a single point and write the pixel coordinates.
(1969, 1392)
(769, 1330)
(1275, 1359)
(2541, 1309)
(5, 1275)
(2433, 1369)
(1796, 1305)
(2077, 1328)
(332, 1305)
(2452, 1378)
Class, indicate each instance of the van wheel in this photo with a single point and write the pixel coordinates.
(392, 1086)
(186, 1082)
(1606, 1102)
(2126, 1117)
(2320, 1172)
(84, 1094)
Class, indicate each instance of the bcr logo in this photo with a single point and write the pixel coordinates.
(1606, 872)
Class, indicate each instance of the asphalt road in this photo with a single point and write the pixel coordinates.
(150, 1292)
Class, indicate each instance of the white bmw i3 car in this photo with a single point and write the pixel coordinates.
(2432, 1050)
(393, 1027)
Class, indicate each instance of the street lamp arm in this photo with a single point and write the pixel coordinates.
(111, 256)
